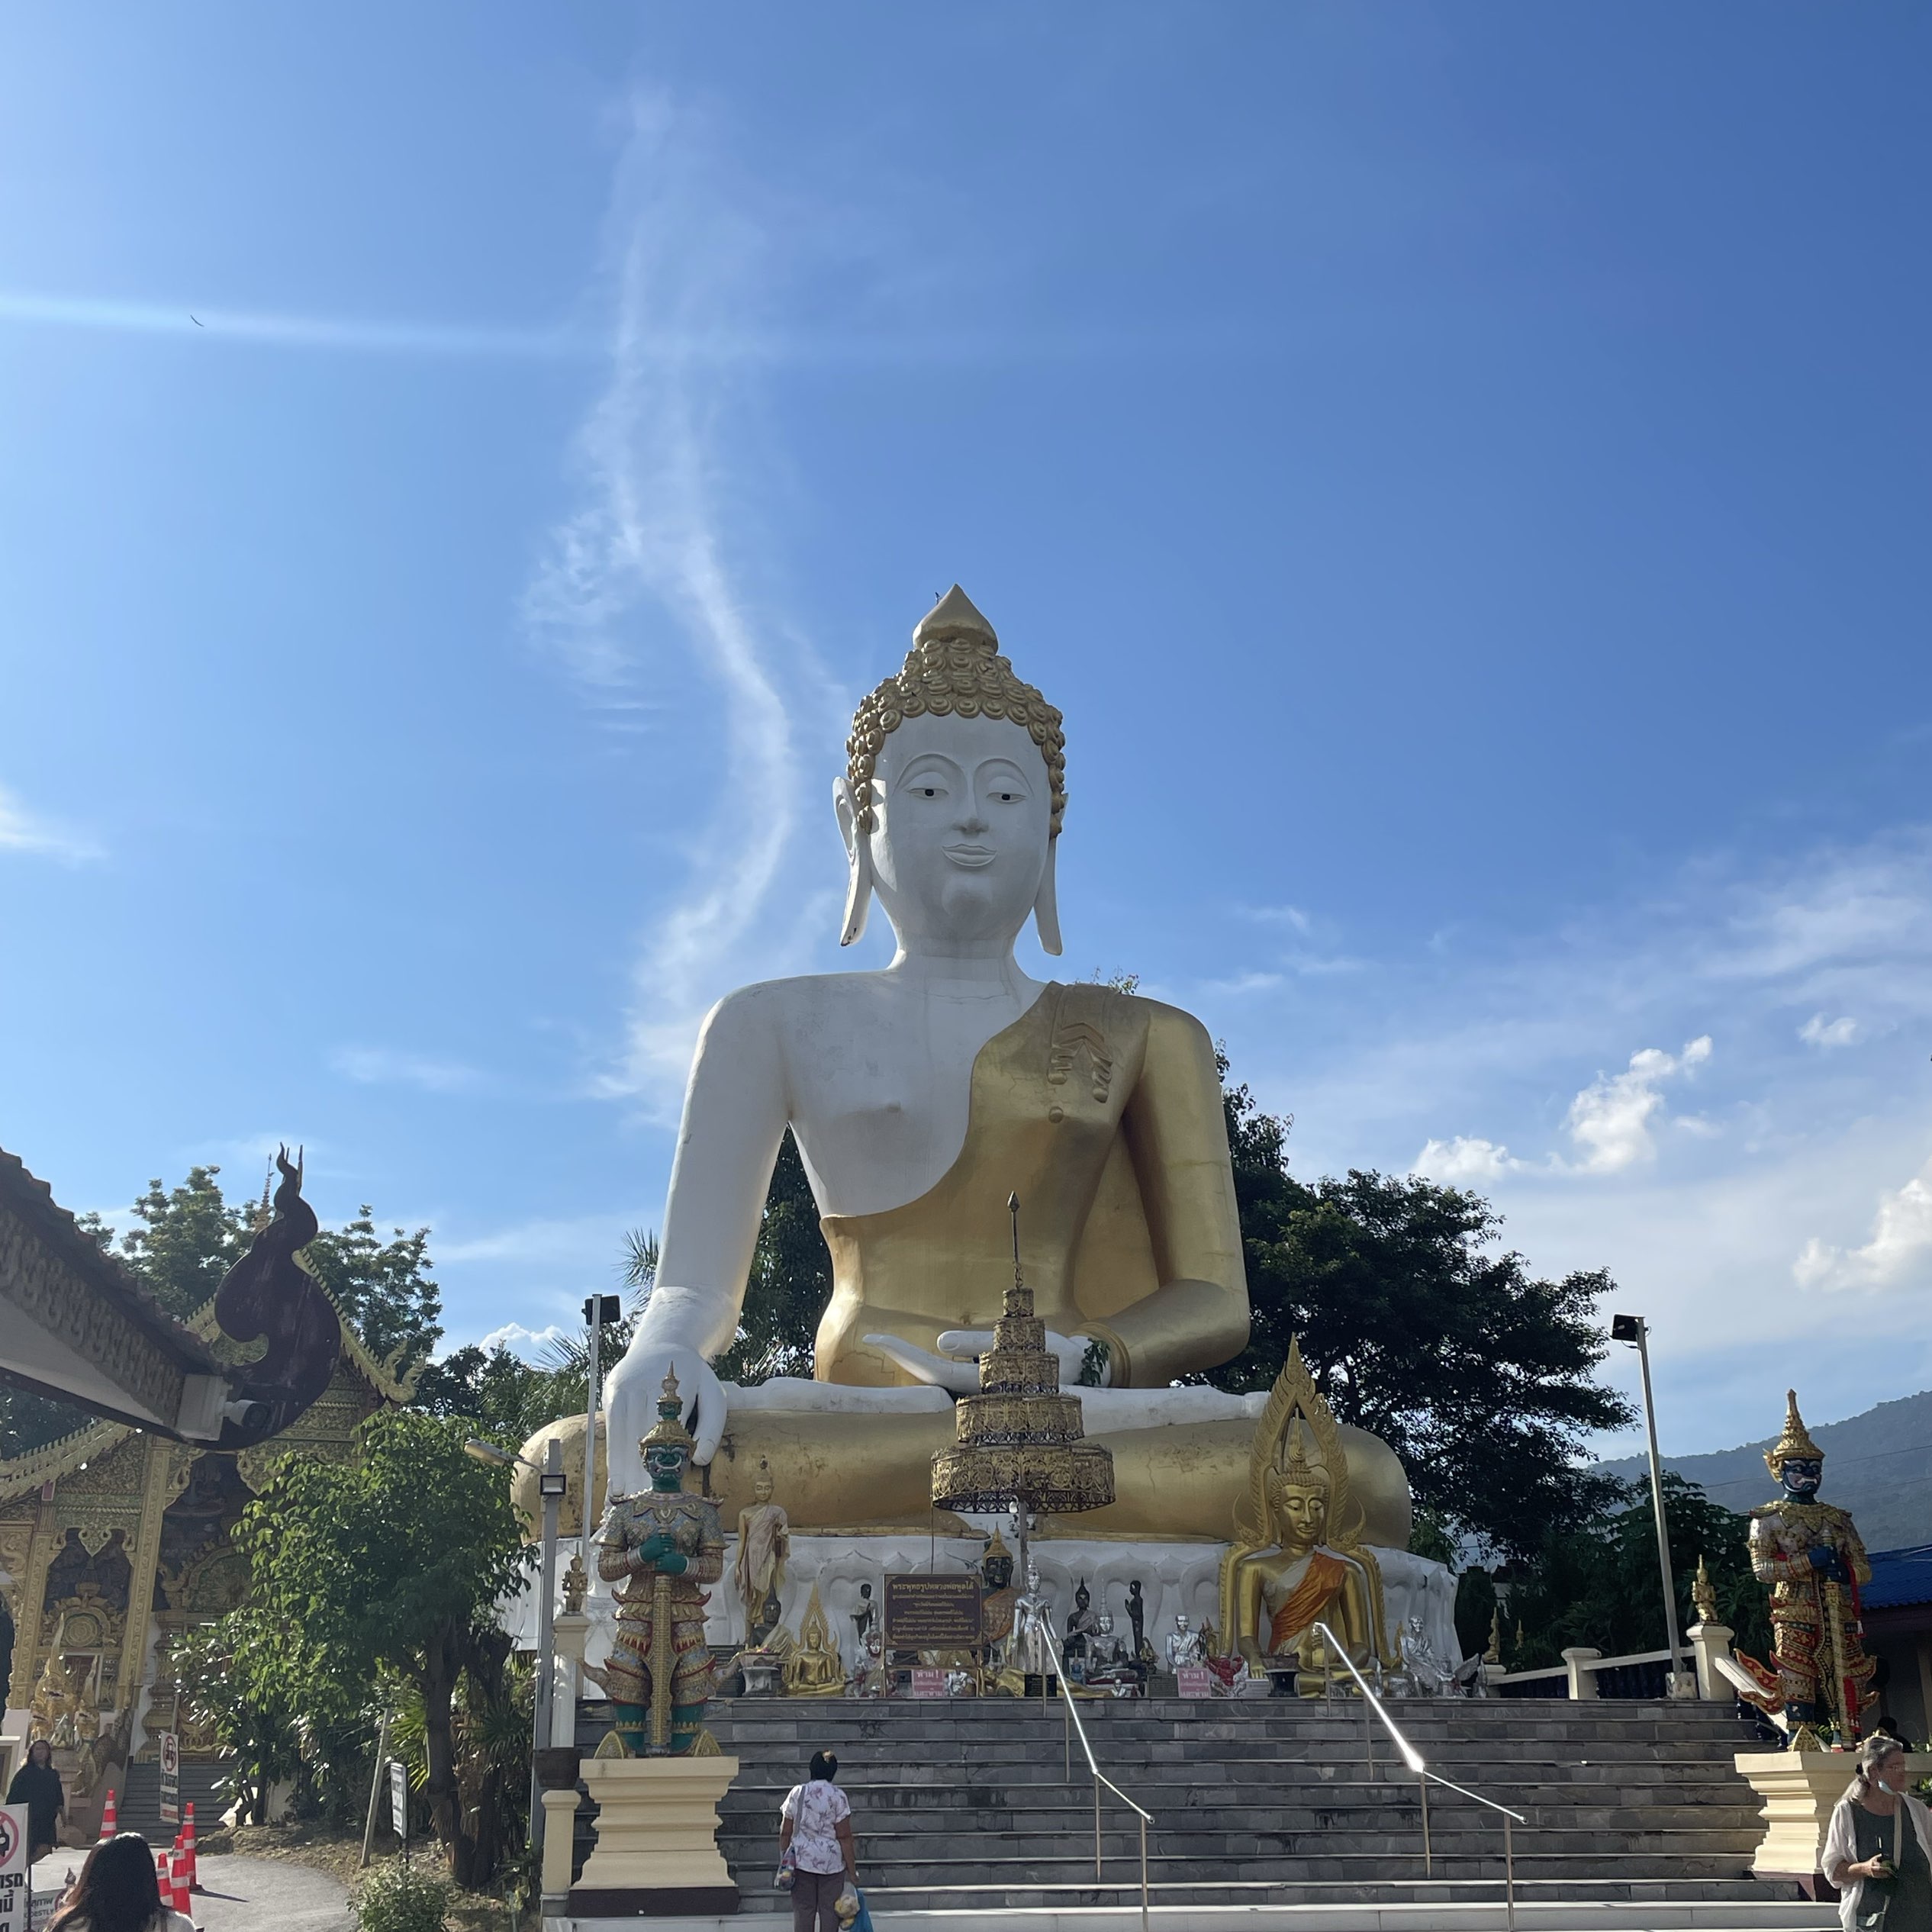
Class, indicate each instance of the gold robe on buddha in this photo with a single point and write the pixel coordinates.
(1102, 1112)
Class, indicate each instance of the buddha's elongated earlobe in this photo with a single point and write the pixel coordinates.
(858, 861)
(1046, 905)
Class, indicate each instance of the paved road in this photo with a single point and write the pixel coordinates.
(247, 1894)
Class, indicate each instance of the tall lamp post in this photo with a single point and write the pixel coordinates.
(551, 1483)
(1635, 1330)
(598, 1310)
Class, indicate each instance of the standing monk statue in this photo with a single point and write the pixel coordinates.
(764, 1547)
(660, 1546)
(1814, 1560)
(921, 1095)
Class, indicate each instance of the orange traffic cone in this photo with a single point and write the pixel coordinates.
(163, 1877)
(188, 1845)
(110, 1819)
(177, 1882)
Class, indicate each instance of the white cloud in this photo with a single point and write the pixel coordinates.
(23, 831)
(1611, 1120)
(1902, 1240)
(385, 1066)
(1243, 983)
(1291, 917)
(1465, 1159)
(1819, 1032)
(193, 322)
(529, 1343)
(649, 575)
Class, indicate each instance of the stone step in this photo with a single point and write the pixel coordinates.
(1236, 1720)
(1075, 1865)
(1243, 1835)
(1753, 1912)
(961, 1806)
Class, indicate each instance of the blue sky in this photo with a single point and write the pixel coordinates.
(1461, 471)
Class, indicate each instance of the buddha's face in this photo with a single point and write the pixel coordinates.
(963, 811)
(761, 1489)
(1301, 1515)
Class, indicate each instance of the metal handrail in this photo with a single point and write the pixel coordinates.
(1072, 1711)
(1424, 1777)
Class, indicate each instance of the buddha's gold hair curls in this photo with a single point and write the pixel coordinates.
(954, 666)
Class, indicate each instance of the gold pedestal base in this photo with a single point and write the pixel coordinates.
(657, 1828)
(1799, 1789)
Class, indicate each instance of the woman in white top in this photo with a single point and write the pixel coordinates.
(815, 1826)
(117, 1891)
(1881, 1861)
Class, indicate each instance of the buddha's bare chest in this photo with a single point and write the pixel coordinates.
(880, 1090)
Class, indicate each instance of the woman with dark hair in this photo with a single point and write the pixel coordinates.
(117, 1891)
(1878, 1851)
(815, 1826)
(36, 1785)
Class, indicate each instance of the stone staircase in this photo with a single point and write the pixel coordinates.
(139, 1803)
(967, 1805)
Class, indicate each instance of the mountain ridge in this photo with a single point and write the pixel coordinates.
(1877, 1464)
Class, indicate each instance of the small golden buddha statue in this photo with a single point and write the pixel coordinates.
(815, 1669)
(1297, 1559)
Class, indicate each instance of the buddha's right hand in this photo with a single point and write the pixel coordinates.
(630, 1405)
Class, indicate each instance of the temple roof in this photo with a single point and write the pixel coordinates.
(29, 1200)
(1899, 1577)
(21, 1474)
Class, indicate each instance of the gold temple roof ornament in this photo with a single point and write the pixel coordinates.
(954, 666)
(1020, 1439)
(1795, 1442)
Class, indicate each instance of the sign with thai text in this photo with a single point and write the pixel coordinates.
(170, 1778)
(399, 1798)
(928, 1683)
(16, 1878)
(1194, 1680)
(925, 1612)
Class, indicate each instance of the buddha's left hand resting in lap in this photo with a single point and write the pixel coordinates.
(921, 1095)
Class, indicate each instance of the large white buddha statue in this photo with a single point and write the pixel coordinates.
(921, 1096)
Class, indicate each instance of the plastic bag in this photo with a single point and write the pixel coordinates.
(787, 1876)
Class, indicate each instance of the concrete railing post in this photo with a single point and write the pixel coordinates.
(1710, 1642)
(1583, 1679)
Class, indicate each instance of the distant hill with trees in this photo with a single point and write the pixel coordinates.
(1877, 1465)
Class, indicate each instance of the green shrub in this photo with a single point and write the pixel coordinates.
(400, 1897)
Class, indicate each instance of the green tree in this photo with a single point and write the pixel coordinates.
(30, 1420)
(1480, 1375)
(1597, 1583)
(500, 1395)
(383, 1287)
(190, 1238)
(392, 1561)
(790, 1283)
